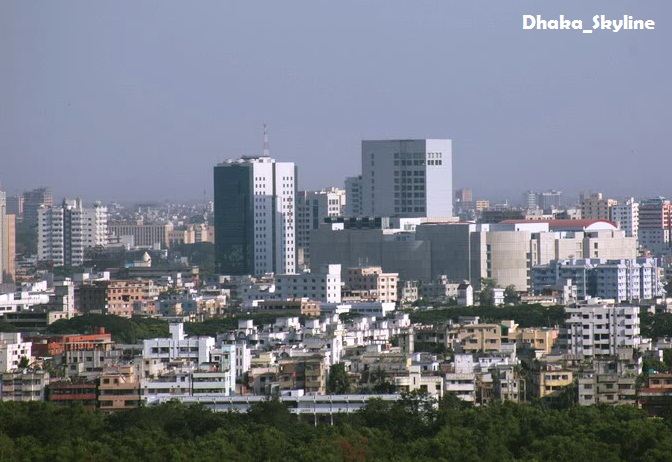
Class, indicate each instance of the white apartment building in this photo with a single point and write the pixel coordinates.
(375, 309)
(12, 349)
(178, 347)
(22, 301)
(323, 286)
(312, 207)
(462, 381)
(187, 381)
(64, 232)
(595, 330)
(255, 216)
(627, 216)
(620, 280)
(408, 178)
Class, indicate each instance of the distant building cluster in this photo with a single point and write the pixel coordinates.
(334, 273)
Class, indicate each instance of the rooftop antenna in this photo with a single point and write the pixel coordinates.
(267, 150)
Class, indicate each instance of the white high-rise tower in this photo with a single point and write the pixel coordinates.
(255, 217)
(64, 232)
(407, 178)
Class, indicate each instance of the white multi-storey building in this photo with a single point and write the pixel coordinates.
(620, 280)
(12, 349)
(312, 207)
(324, 286)
(255, 219)
(595, 330)
(178, 347)
(627, 216)
(408, 178)
(65, 232)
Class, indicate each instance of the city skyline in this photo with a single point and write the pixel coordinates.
(133, 102)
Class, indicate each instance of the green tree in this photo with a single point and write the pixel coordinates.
(339, 382)
(668, 287)
(485, 296)
(511, 295)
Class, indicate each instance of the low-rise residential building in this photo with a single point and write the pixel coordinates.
(465, 294)
(67, 393)
(549, 378)
(303, 372)
(480, 338)
(118, 389)
(24, 385)
(655, 397)
(440, 289)
(610, 379)
(118, 297)
(323, 286)
(507, 385)
(373, 283)
(179, 347)
(416, 380)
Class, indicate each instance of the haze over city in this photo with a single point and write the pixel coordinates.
(139, 100)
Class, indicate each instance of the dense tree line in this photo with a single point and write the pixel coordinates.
(201, 254)
(410, 429)
(525, 315)
(123, 330)
(655, 326)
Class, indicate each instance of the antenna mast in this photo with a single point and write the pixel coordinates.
(267, 150)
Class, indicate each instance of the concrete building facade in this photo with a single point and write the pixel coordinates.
(599, 330)
(353, 194)
(378, 286)
(143, 234)
(312, 207)
(626, 214)
(596, 207)
(65, 232)
(465, 251)
(408, 178)
(655, 223)
(620, 280)
(255, 217)
(323, 286)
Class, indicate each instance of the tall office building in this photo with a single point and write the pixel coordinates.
(7, 242)
(546, 201)
(549, 200)
(407, 178)
(353, 193)
(655, 224)
(64, 232)
(530, 200)
(464, 195)
(254, 216)
(15, 207)
(312, 207)
(33, 200)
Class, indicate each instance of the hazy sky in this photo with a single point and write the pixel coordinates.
(118, 100)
